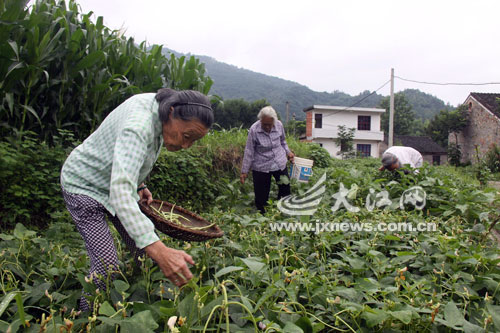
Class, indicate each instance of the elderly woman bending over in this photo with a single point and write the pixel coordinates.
(104, 176)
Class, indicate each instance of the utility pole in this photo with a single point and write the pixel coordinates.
(287, 111)
(391, 112)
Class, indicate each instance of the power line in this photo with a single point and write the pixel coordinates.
(356, 103)
(448, 83)
(409, 80)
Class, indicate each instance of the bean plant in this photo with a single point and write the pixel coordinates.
(256, 278)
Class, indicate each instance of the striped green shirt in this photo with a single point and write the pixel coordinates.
(110, 164)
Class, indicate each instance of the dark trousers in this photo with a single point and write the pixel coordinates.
(262, 186)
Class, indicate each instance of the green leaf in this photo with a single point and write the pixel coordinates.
(452, 315)
(392, 238)
(349, 293)
(239, 318)
(20, 232)
(368, 285)
(374, 317)
(404, 316)
(187, 307)
(109, 321)
(167, 312)
(318, 327)
(140, 322)
(208, 307)
(227, 270)
(471, 328)
(20, 308)
(6, 301)
(270, 291)
(6, 237)
(106, 309)
(305, 324)
(89, 60)
(14, 47)
(494, 311)
(33, 112)
(292, 328)
(247, 303)
(356, 263)
(121, 286)
(254, 265)
(405, 253)
(462, 208)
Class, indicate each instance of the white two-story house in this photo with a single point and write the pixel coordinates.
(322, 123)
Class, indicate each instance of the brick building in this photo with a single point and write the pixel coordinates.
(483, 130)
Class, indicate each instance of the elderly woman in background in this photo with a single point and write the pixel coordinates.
(104, 176)
(396, 157)
(266, 154)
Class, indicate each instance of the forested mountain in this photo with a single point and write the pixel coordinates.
(424, 106)
(231, 82)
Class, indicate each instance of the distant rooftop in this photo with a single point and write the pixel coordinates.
(489, 101)
(424, 144)
(342, 108)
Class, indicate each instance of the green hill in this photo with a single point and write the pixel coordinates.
(231, 82)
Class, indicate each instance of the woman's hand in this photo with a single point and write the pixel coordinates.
(290, 156)
(145, 196)
(172, 262)
(243, 176)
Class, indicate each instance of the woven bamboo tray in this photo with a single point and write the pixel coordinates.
(180, 231)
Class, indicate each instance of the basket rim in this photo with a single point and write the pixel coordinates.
(179, 227)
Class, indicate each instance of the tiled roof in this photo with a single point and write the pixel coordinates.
(489, 101)
(424, 144)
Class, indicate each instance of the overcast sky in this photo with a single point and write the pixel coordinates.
(345, 45)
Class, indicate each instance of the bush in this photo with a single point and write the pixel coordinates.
(454, 154)
(320, 156)
(492, 159)
(29, 180)
(184, 178)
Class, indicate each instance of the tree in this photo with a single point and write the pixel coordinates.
(403, 115)
(296, 128)
(447, 122)
(454, 154)
(238, 112)
(458, 120)
(345, 140)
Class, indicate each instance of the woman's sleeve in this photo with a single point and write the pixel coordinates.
(129, 154)
(249, 153)
(283, 140)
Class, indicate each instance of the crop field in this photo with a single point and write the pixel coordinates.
(377, 252)
(259, 279)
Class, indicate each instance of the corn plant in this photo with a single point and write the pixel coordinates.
(61, 70)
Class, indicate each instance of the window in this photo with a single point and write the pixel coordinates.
(436, 159)
(318, 120)
(364, 150)
(364, 123)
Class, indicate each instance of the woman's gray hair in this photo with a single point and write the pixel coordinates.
(267, 111)
(187, 104)
(388, 159)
